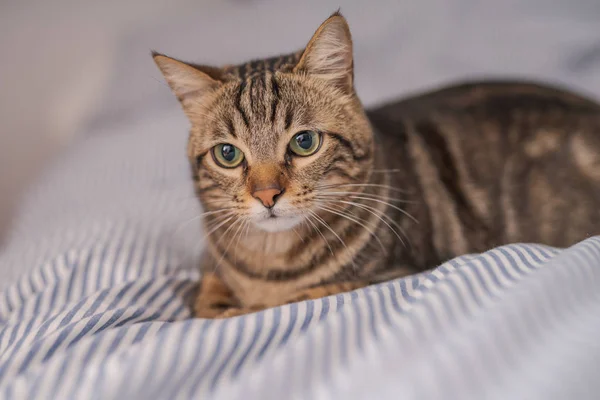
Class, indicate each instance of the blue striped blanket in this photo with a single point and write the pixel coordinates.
(100, 268)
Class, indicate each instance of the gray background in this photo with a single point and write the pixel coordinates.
(71, 67)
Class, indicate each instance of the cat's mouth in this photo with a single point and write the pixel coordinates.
(282, 217)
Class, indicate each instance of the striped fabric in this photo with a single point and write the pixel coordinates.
(100, 269)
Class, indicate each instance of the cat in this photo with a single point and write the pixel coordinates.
(306, 194)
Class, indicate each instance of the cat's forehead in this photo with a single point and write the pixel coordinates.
(261, 111)
(264, 104)
(283, 63)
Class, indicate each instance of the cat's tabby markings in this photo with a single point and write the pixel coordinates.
(306, 194)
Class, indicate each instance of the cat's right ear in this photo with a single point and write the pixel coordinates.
(328, 55)
(191, 85)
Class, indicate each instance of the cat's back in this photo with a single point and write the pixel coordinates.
(489, 99)
(506, 115)
(499, 162)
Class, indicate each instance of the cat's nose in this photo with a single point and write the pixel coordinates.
(267, 196)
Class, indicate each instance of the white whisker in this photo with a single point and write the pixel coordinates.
(384, 171)
(363, 185)
(320, 233)
(217, 227)
(298, 234)
(247, 229)
(388, 204)
(241, 223)
(373, 211)
(326, 225)
(199, 216)
(353, 219)
(376, 196)
(244, 225)
(228, 229)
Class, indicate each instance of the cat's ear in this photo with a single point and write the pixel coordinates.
(328, 55)
(191, 84)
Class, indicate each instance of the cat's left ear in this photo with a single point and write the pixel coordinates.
(328, 55)
(191, 84)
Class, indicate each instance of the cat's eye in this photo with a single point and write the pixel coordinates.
(305, 143)
(227, 155)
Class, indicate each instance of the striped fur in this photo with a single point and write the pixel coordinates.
(389, 192)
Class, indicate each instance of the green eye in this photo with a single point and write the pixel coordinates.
(305, 143)
(227, 155)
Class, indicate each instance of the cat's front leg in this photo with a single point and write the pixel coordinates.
(302, 295)
(214, 298)
(325, 290)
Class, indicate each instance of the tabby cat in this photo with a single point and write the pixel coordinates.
(307, 194)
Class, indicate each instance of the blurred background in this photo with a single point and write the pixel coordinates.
(75, 68)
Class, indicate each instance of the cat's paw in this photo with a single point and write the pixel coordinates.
(236, 311)
(214, 298)
(209, 311)
(233, 312)
(324, 291)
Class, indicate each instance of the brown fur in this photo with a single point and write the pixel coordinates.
(390, 192)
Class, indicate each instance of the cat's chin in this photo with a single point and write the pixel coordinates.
(278, 224)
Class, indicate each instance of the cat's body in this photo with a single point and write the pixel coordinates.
(352, 197)
(494, 163)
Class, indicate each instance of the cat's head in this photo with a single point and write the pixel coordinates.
(269, 138)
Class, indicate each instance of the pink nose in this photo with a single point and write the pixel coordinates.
(267, 196)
